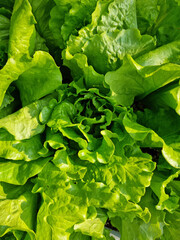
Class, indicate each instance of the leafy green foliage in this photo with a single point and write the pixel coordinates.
(103, 148)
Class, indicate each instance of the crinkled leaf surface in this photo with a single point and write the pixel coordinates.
(18, 172)
(20, 52)
(18, 213)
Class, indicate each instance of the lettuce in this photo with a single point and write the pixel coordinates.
(103, 43)
(22, 38)
(89, 119)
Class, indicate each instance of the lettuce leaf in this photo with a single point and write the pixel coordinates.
(67, 17)
(18, 212)
(20, 52)
(140, 230)
(18, 172)
(150, 138)
(102, 44)
(133, 79)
